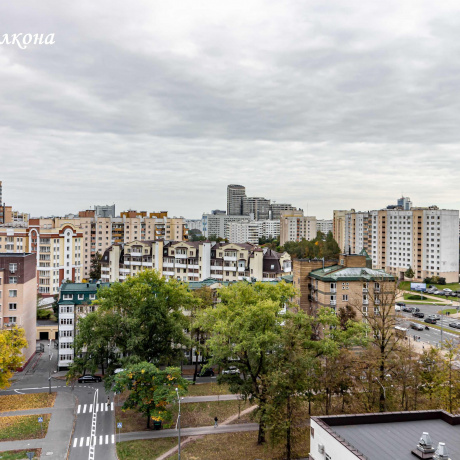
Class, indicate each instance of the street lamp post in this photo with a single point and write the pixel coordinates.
(178, 425)
(49, 366)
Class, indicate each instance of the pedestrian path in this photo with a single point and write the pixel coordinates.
(98, 440)
(102, 407)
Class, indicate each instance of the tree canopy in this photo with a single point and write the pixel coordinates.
(316, 248)
(12, 341)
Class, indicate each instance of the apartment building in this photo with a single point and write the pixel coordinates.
(277, 208)
(18, 296)
(294, 226)
(194, 261)
(324, 226)
(425, 239)
(348, 281)
(218, 224)
(86, 235)
(256, 206)
(75, 301)
(338, 227)
(251, 231)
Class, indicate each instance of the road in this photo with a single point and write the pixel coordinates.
(433, 335)
(93, 437)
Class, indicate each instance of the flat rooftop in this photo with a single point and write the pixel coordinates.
(394, 435)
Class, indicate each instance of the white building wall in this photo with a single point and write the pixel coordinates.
(332, 447)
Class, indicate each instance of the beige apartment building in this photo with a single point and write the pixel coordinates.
(294, 226)
(425, 239)
(194, 261)
(338, 227)
(349, 281)
(18, 296)
(65, 245)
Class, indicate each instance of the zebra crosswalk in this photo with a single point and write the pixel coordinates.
(100, 407)
(98, 440)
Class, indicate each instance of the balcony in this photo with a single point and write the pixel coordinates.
(136, 254)
(241, 269)
(334, 290)
(217, 267)
(229, 269)
(217, 277)
(180, 265)
(105, 269)
(196, 267)
(168, 273)
(147, 264)
(168, 264)
(125, 270)
(333, 302)
(230, 258)
(181, 256)
(377, 290)
(365, 302)
(377, 302)
(365, 290)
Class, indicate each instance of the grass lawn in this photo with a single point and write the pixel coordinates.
(144, 449)
(192, 414)
(19, 454)
(225, 446)
(205, 389)
(451, 311)
(27, 401)
(418, 297)
(18, 427)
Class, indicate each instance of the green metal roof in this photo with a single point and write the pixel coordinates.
(82, 287)
(338, 272)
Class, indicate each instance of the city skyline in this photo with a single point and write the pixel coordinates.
(162, 105)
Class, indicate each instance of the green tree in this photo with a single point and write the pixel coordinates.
(196, 235)
(144, 318)
(151, 390)
(12, 341)
(409, 273)
(95, 272)
(246, 326)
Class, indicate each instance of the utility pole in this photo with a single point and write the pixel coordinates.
(49, 366)
(178, 425)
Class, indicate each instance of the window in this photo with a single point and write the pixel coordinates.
(92, 296)
(345, 297)
(12, 306)
(13, 280)
(66, 321)
(13, 268)
(67, 296)
(13, 319)
(81, 296)
(13, 293)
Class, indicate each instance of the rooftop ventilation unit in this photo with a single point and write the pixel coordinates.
(425, 449)
(441, 452)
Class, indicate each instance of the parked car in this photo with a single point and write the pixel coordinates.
(447, 290)
(231, 370)
(455, 324)
(407, 309)
(89, 378)
(208, 372)
(400, 304)
(418, 314)
(397, 307)
(430, 321)
(416, 326)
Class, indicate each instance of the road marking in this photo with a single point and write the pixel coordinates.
(101, 439)
(18, 392)
(84, 409)
(93, 426)
(81, 441)
(75, 442)
(79, 409)
(90, 408)
(113, 439)
(111, 406)
(106, 438)
(87, 441)
(96, 407)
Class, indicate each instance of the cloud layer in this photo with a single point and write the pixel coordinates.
(159, 106)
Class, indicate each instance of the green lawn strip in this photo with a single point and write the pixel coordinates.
(19, 454)
(435, 326)
(19, 427)
(144, 449)
(405, 285)
(451, 311)
(206, 389)
(26, 401)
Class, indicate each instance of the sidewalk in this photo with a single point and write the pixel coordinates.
(56, 443)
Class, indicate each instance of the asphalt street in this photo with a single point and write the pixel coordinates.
(433, 335)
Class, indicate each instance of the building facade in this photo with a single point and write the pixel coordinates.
(324, 225)
(235, 194)
(75, 301)
(251, 231)
(294, 226)
(424, 239)
(18, 296)
(194, 261)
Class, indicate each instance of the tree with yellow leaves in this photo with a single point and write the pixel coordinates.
(12, 341)
(151, 389)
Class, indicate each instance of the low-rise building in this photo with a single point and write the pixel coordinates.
(386, 435)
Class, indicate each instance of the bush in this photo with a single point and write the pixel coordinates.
(44, 314)
(441, 280)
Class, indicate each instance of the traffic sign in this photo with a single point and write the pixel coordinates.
(119, 425)
(30, 455)
(40, 419)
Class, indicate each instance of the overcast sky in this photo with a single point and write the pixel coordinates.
(159, 105)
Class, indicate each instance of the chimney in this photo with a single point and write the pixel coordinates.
(441, 452)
